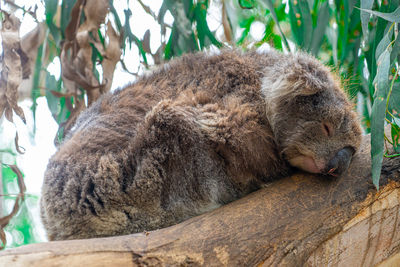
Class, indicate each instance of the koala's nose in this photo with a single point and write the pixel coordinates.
(340, 162)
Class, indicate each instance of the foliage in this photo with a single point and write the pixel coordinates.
(358, 38)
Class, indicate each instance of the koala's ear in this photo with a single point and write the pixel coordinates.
(309, 75)
(307, 90)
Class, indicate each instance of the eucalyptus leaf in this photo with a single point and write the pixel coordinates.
(384, 43)
(320, 29)
(247, 4)
(52, 101)
(395, 133)
(394, 100)
(365, 5)
(275, 18)
(378, 116)
(306, 24)
(392, 17)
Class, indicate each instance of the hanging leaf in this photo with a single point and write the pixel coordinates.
(365, 5)
(395, 133)
(378, 116)
(275, 18)
(50, 12)
(320, 29)
(384, 43)
(247, 4)
(11, 75)
(392, 17)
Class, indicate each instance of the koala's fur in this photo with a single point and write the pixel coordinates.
(199, 132)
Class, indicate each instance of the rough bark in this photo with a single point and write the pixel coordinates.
(300, 220)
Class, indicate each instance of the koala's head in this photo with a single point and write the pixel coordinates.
(314, 124)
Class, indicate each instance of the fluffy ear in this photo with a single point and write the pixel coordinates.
(309, 76)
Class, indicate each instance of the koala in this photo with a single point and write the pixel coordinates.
(194, 134)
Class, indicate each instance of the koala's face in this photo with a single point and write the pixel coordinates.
(321, 134)
(313, 122)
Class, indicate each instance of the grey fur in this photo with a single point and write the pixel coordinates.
(187, 138)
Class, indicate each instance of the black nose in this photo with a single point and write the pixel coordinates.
(340, 162)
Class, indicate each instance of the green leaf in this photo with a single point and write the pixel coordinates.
(35, 84)
(384, 43)
(50, 12)
(395, 49)
(395, 133)
(295, 22)
(275, 18)
(378, 116)
(306, 24)
(392, 17)
(343, 26)
(200, 15)
(52, 101)
(365, 5)
(247, 4)
(394, 100)
(319, 31)
(246, 24)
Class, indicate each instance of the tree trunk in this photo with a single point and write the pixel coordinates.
(300, 220)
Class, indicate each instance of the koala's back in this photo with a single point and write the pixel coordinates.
(138, 159)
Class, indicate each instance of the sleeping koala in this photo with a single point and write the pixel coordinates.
(197, 133)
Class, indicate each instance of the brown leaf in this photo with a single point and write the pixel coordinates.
(2, 238)
(73, 24)
(20, 179)
(225, 23)
(29, 45)
(17, 147)
(6, 219)
(111, 58)
(146, 42)
(95, 12)
(11, 74)
(59, 94)
(70, 69)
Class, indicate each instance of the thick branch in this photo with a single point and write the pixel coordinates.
(298, 220)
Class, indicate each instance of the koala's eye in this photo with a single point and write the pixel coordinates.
(327, 129)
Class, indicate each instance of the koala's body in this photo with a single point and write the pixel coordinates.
(199, 132)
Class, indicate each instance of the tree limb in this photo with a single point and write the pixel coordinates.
(300, 220)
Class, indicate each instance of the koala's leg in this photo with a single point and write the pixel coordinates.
(178, 174)
(190, 159)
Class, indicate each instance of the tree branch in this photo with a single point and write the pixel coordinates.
(303, 219)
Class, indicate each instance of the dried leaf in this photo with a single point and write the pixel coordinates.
(146, 42)
(59, 94)
(17, 147)
(95, 12)
(226, 24)
(73, 24)
(70, 69)
(11, 74)
(20, 179)
(111, 58)
(3, 239)
(6, 219)
(29, 45)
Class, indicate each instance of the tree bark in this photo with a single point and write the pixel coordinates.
(300, 220)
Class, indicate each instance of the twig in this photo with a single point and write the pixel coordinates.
(148, 10)
(33, 14)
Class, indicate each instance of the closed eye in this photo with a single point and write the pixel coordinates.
(327, 129)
